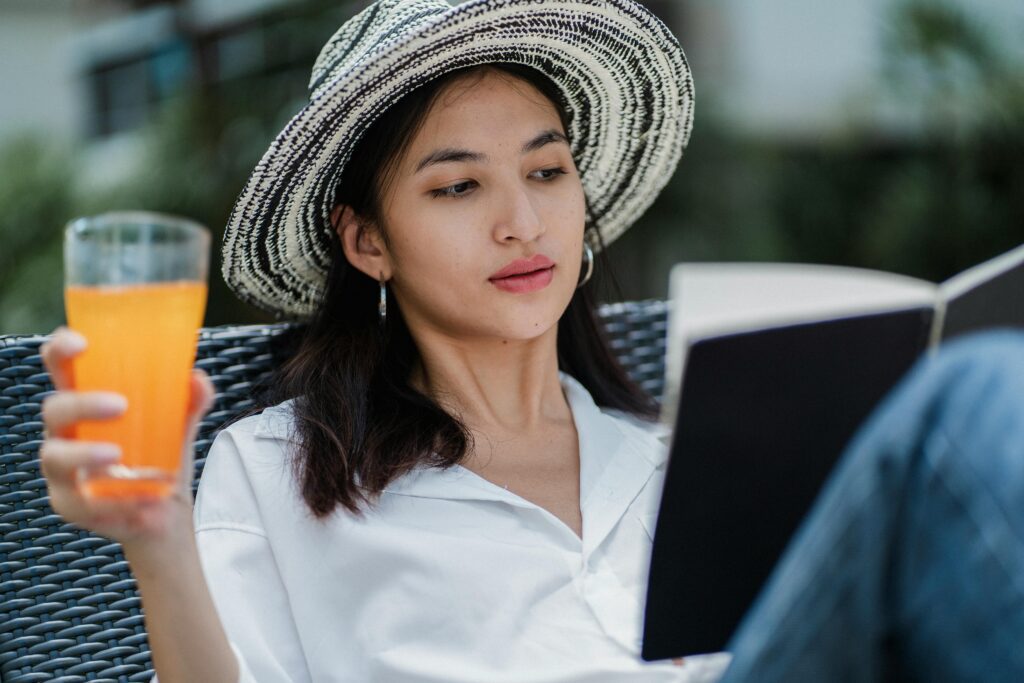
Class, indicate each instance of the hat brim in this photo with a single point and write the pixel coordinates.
(626, 85)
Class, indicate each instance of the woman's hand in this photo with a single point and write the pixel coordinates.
(131, 521)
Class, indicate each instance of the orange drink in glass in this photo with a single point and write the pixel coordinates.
(135, 288)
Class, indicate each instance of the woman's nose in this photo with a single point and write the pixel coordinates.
(517, 216)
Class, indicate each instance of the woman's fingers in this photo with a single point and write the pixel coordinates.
(62, 457)
(201, 393)
(200, 399)
(63, 345)
(59, 458)
(64, 408)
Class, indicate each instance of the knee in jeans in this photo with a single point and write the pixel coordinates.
(977, 386)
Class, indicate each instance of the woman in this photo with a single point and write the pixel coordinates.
(458, 484)
(458, 481)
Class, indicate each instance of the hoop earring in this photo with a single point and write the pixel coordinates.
(588, 257)
(382, 305)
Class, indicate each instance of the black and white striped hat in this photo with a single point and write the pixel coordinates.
(625, 80)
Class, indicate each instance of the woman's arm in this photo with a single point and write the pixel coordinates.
(219, 588)
(186, 638)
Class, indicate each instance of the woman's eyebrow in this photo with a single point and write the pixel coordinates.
(451, 154)
(545, 138)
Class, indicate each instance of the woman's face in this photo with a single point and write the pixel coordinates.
(488, 184)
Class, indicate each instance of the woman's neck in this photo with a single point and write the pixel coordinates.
(494, 386)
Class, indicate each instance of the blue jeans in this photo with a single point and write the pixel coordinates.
(911, 564)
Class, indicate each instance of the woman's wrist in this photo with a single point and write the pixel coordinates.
(152, 555)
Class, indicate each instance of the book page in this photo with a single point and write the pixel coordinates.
(714, 299)
(981, 273)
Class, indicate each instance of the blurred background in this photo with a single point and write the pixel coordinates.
(886, 134)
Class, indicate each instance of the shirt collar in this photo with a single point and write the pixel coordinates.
(277, 423)
(618, 455)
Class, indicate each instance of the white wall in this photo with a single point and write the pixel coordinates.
(38, 81)
(215, 12)
(795, 68)
(805, 68)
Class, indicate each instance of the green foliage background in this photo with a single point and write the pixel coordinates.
(927, 205)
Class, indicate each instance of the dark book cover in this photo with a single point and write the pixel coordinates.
(762, 418)
(994, 301)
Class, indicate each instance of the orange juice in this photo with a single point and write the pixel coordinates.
(142, 344)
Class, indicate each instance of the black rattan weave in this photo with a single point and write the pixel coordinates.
(69, 610)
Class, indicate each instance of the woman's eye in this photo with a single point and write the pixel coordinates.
(454, 191)
(551, 173)
(462, 189)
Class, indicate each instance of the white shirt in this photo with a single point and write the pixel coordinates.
(448, 579)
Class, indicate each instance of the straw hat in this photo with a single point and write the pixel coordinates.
(624, 78)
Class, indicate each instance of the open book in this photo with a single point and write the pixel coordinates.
(770, 370)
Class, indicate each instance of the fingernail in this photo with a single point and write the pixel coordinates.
(73, 341)
(111, 403)
(104, 453)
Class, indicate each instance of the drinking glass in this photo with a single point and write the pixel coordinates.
(135, 288)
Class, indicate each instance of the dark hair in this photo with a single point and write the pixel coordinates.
(359, 423)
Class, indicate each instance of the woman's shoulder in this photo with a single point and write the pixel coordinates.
(247, 469)
(257, 444)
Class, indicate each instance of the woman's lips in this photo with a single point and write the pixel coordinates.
(527, 282)
(524, 274)
(524, 265)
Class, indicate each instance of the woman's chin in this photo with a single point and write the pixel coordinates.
(526, 330)
(521, 320)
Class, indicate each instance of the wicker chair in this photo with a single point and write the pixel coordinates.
(70, 611)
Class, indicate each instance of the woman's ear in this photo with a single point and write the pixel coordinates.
(362, 243)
